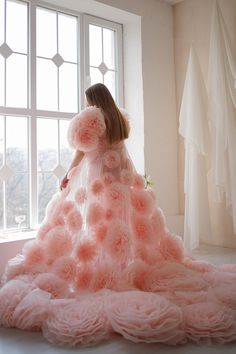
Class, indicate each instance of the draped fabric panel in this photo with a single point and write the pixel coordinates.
(207, 123)
(222, 112)
(194, 128)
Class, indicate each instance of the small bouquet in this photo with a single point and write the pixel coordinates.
(148, 181)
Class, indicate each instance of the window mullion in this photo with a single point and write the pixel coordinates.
(33, 119)
(87, 79)
(4, 182)
(80, 61)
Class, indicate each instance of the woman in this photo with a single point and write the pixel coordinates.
(104, 260)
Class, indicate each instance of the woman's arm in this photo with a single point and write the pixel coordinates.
(76, 160)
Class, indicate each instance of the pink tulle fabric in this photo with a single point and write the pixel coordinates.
(104, 261)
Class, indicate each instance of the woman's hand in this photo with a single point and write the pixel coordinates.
(64, 182)
(75, 162)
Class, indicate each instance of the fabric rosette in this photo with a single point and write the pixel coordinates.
(85, 129)
(209, 322)
(145, 317)
(77, 321)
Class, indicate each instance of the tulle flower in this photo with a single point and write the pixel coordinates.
(53, 205)
(80, 195)
(148, 254)
(171, 247)
(58, 220)
(138, 181)
(208, 323)
(109, 214)
(87, 140)
(43, 230)
(111, 159)
(126, 177)
(226, 294)
(198, 265)
(141, 228)
(92, 118)
(85, 129)
(11, 294)
(58, 242)
(66, 206)
(104, 277)
(86, 250)
(83, 277)
(115, 194)
(95, 213)
(65, 268)
(183, 297)
(117, 240)
(218, 277)
(74, 221)
(34, 252)
(141, 201)
(158, 222)
(145, 317)
(100, 232)
(136, 274)
(74, 322)
(15, 266)
(107, 178)
(96, 187)
(51, 283)
(32, 310)
(172, 277)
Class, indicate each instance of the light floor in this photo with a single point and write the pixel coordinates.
(14, 341)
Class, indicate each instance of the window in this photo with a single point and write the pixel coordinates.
(47, 59)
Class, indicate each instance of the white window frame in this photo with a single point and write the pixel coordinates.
(32, 113)
(117, 28)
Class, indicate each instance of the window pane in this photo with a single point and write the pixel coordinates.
(16, 26)
(48, 185)
(2, 78)
(1, 141)
(1, 204)
(68, 92)
(46, 33)
(67, 37)
(109, 48)
(46, 84)
(1, 21)
(16, 143)
(96, 76)
(65, 151)
(95, 45)
(16, 75)
(110, 82)
(47, 139)
(17, 196)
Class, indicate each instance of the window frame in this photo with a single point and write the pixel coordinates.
(88, 19)
(32, 113)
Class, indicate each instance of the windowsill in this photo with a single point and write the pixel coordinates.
(17, 236)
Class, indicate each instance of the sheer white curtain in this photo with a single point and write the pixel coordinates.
(222, 112)
(193, 126)
(208, 125)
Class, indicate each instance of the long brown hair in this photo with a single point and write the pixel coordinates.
(117, 126)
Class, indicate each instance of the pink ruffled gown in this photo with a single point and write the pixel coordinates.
(105, 262)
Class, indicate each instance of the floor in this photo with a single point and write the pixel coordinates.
(14, 341)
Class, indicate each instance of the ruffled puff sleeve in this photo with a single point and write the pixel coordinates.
(86, 128)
